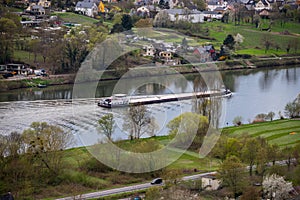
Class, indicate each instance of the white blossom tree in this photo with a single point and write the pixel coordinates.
(276, 188)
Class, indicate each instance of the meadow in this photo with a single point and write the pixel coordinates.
(282, 132)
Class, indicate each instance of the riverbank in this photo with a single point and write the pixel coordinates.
(236, 64)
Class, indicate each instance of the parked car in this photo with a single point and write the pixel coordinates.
(156, 181)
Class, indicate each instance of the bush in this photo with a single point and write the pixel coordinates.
(94, 165)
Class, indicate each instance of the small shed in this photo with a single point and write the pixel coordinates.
(210, 182)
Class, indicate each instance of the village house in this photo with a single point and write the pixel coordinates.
(44, 3)
(149, 50)
(193, 16)
(205, 53)
(211, 15)
(210, 182)
(143, 11)
(87, 8)
(36, 10)
(263, 5)
(214, 4)
(165, 55)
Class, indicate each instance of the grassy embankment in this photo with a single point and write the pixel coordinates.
(78, 160)
(282, 132)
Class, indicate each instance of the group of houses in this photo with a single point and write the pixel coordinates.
(169, 53)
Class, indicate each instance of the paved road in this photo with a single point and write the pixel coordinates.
(128, 188)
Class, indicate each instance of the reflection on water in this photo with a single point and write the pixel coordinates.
(255, 91)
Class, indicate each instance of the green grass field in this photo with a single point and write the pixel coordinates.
(276, 132)
(27, 57)
(75, 18)
(253, 37)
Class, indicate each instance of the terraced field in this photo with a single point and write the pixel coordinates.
(281, 132)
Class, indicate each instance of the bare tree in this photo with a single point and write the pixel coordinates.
(137, 121)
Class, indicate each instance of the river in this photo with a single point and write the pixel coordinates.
(254, 91)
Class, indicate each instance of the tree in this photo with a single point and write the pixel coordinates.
(45, 142)
(276, 188)
(107, 125)
(201, 4)
(249, 153)
(273, 152)
(266, 41)
(271, 115)
(238, 39)
(137, 121)
(232, 175)
(237, 121)
(261, 117)
(227, 147)
(153, 193)
(292, 109)
(126, 22)
(184, 44)
(188, 127)
(161, 19)
(229, 42)
(8, 31)
(117, 28)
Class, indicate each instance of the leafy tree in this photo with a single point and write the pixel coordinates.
(201, 4)
(161, 19)
(232, 175)
(153, 193)
(292, 109)
(288, 155)
(249, 153)
(8, 31)
(273, 152)
(271, 115)
(107, 125)
(126, 22)
(251, 193)
(45, 142)
(227, 147)
(161, 4)
(117, 28)
(276, 188)
(229, 41)
(188, 127)
(225, 17)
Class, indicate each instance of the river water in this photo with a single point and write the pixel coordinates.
(254, 91)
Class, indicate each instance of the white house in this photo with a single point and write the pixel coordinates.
(210, 182)
(193, 16)
(210, 15)
(262, 5)
(87, 8)
(213, 4)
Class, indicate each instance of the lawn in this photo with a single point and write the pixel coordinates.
(253, 37)
(75, 18)
(27, 57)
(276, 132)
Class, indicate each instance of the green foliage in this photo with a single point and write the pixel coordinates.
(229, 42)
(232, 175)
(126, 22)
(153, 193)
(107, 125)
(188, 127)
